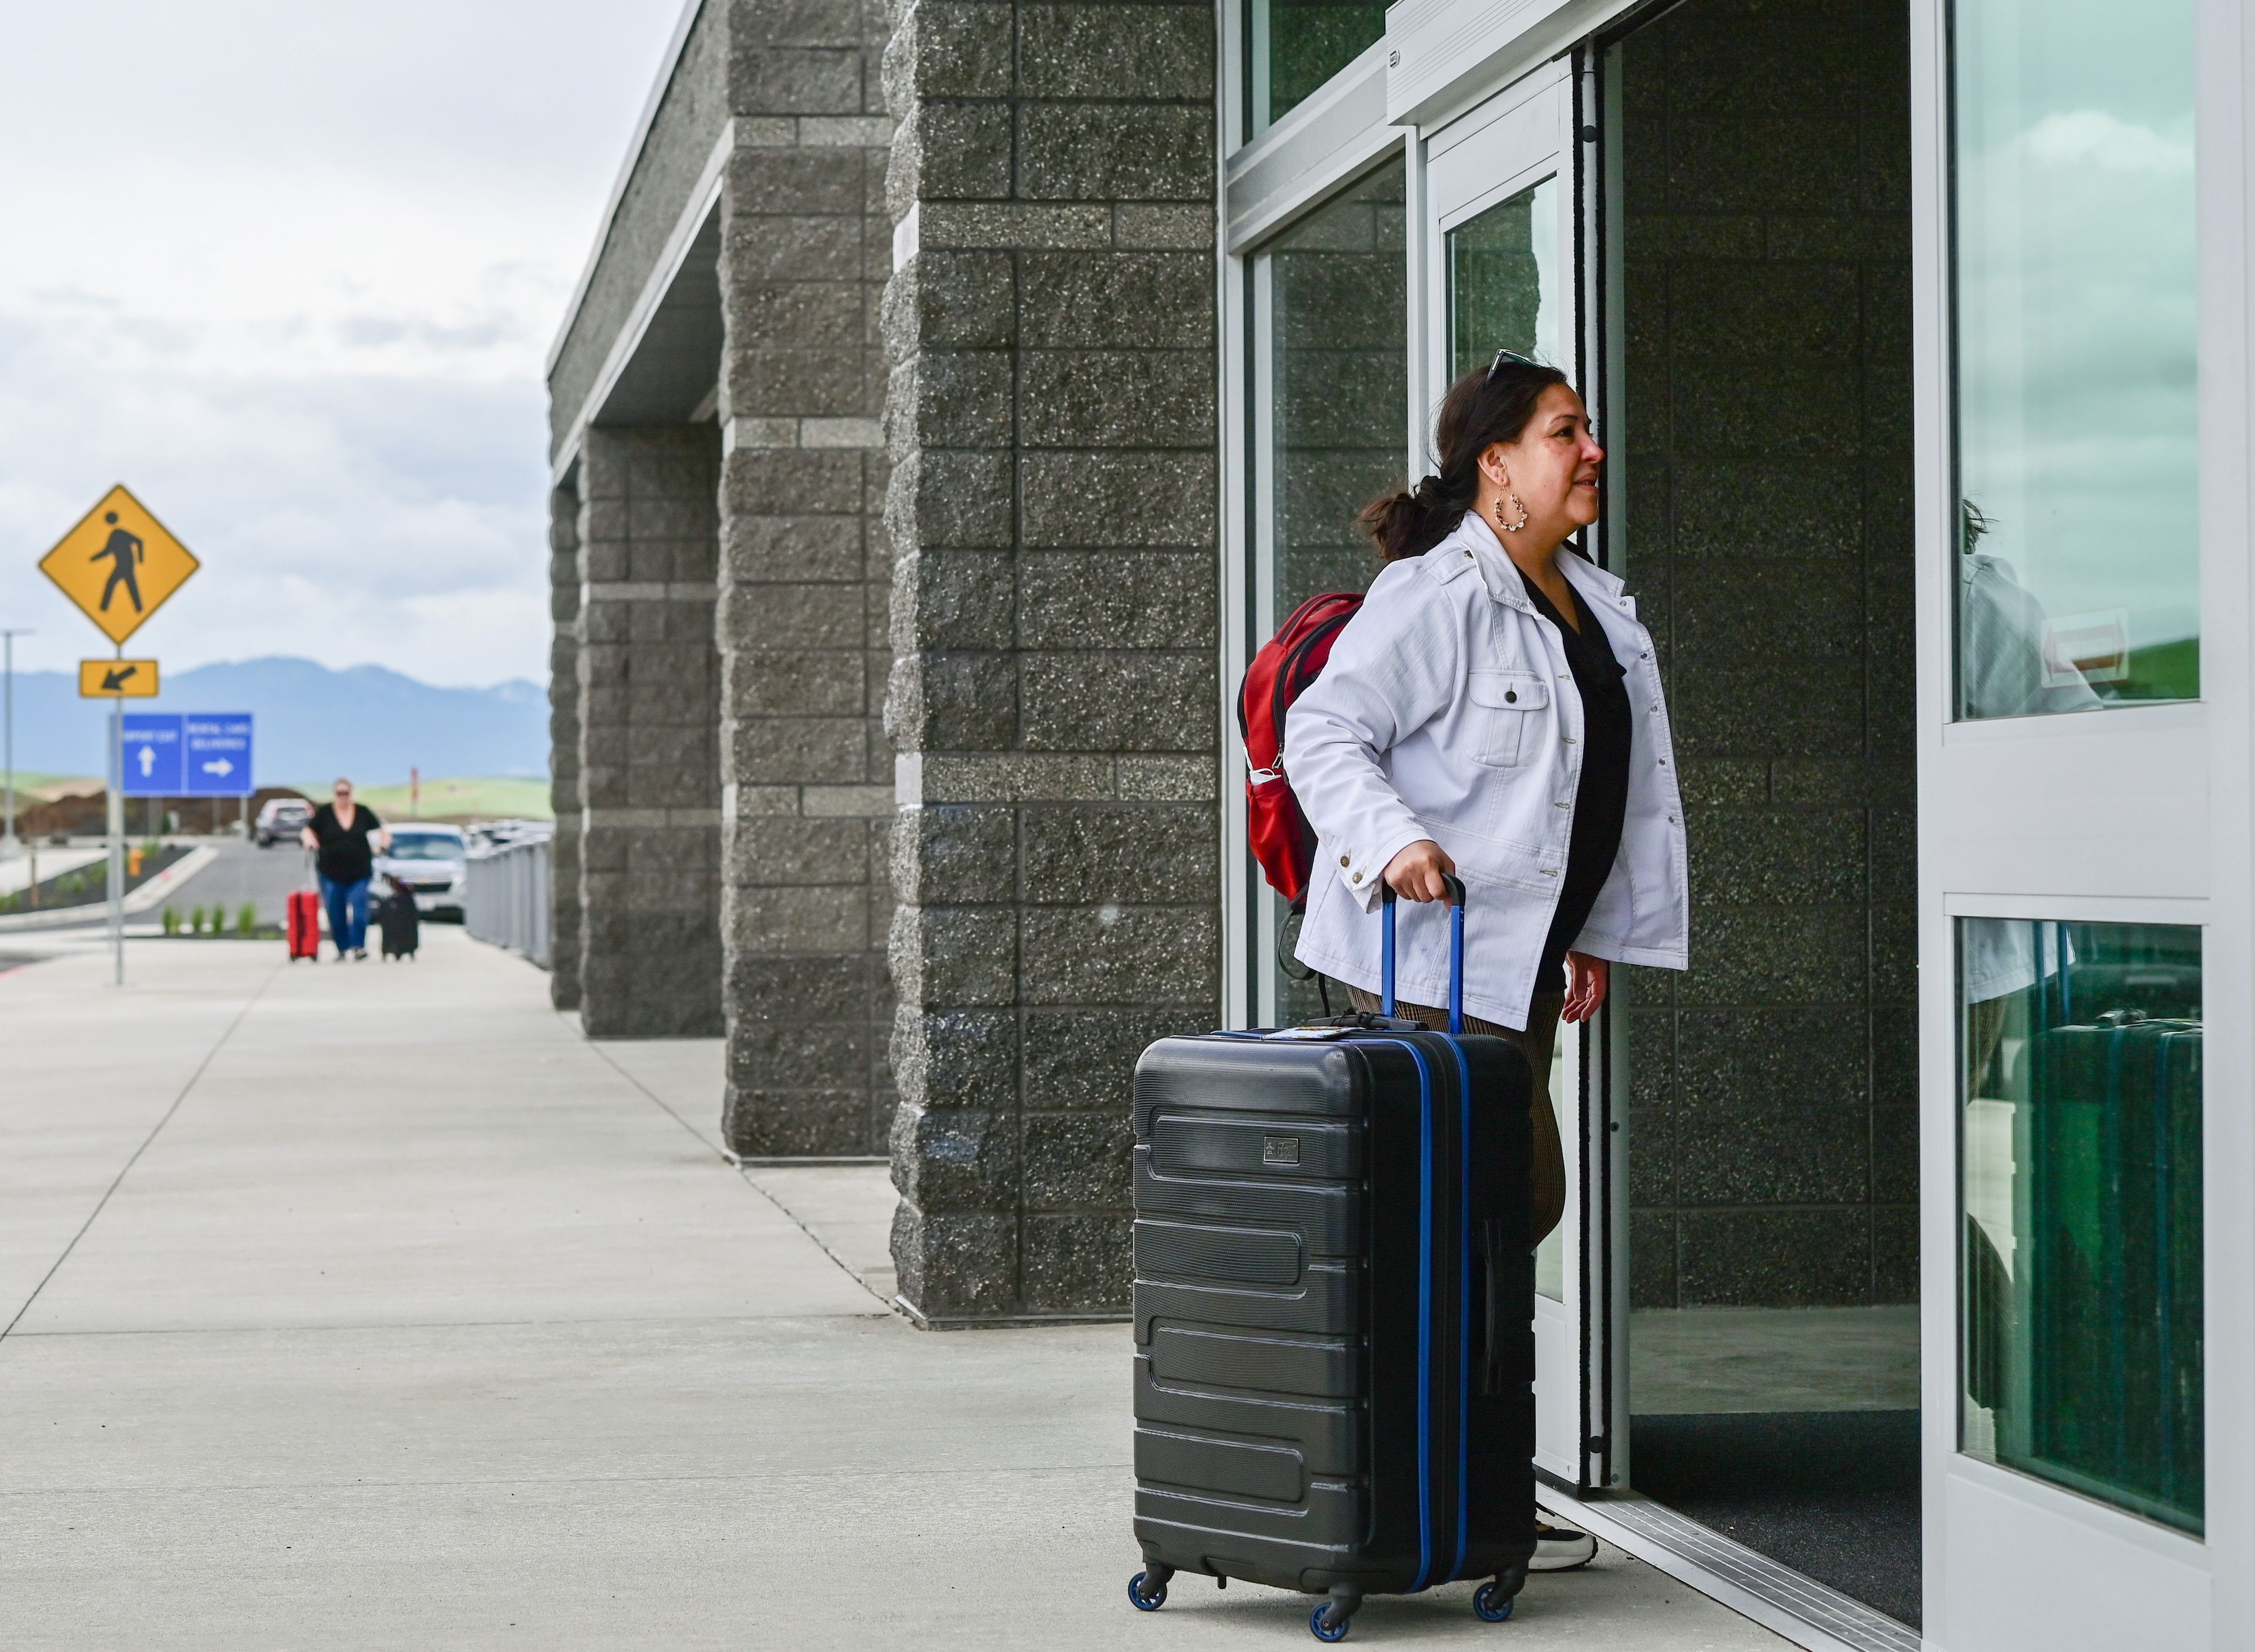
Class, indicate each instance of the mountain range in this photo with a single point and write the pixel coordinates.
(311, 723)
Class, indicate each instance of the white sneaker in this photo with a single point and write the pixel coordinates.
(1561, 1547)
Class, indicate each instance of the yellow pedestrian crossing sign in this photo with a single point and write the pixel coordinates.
(119, 564)
(117, 678)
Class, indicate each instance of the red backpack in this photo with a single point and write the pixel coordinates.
(1282, 840)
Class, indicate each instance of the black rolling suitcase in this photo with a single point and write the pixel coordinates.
(399, 923)
(1334, 1303)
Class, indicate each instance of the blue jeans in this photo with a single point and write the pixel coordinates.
(346, 905)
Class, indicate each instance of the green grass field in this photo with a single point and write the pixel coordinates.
(458, 798)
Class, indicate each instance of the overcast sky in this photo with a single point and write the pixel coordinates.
(291, 272)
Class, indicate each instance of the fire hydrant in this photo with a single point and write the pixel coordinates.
(133, 862)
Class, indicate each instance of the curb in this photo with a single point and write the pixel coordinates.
(149, 893)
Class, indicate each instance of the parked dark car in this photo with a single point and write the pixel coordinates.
(280, 819)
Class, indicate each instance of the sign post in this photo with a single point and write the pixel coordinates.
(119, 564)
(117, 826)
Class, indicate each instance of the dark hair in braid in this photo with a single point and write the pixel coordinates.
(1485, 406)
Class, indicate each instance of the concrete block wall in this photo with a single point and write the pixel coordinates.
(564, 746)
(1052, 512)
(649, 729)
(806, 582)
(1773, 1086)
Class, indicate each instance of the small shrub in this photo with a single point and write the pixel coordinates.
(246, 920)
(171, 920)
(195, 920)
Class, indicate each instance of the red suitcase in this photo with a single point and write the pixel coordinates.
(305, 925)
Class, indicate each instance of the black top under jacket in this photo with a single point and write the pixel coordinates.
(344, 856)
(1601, 795)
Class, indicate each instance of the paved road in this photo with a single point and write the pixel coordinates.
(373, 1307)
(242, 873)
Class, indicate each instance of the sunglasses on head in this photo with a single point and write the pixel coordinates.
(1501, 356)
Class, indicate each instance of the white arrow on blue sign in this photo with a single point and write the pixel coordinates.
(152, 754)
(187, 755)
(215, 753)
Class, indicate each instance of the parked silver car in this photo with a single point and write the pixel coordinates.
(427, 862)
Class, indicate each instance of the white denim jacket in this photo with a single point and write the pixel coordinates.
(1448, 711)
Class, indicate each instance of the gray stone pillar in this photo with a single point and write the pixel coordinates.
(804, 582)
(649, 942)
(1052, 511)
(563, 747)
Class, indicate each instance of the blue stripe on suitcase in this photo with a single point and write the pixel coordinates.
(1425, 1315)
(1464, 1299)
(1425, 1241)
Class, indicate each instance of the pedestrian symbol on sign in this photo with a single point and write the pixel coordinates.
(119, 564)
(124, 550)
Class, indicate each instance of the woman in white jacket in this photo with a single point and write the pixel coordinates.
(1494, 710)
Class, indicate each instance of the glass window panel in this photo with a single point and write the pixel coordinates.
(1340, 334)
(1338, 413)
(1297, 44)
(2078, 565)
(1503, 281)
(2079, 1274)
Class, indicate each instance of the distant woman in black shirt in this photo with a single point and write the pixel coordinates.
(345, 838)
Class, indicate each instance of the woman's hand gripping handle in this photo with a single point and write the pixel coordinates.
(1416, 874)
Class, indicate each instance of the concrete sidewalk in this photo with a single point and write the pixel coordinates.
(368, 1305)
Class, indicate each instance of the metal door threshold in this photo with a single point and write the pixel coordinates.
(1805, 1612)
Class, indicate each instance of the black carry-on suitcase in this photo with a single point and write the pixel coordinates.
(399, 923)
(1334, 1303)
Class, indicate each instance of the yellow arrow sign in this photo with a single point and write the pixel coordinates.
(119, 564)
(117, 678)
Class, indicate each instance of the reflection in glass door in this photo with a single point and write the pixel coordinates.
(1504, 293)
(2081, 1289)
(1330, 384)
(2078, 468)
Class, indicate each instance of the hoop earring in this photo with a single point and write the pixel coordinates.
(1517, 503)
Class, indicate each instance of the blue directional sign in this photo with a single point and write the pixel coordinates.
(195, 754)
(215, 755)
(152, 754)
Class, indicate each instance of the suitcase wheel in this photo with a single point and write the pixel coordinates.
(1492, 1607)
(1152, 1601)
(1328, 1622)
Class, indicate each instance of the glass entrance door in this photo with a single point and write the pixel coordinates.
(1500, 229)
(2065, 891)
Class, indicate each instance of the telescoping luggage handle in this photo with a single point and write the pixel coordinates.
(1455, 886)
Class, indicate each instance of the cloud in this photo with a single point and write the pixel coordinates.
(2077, 368)
(291, 273)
